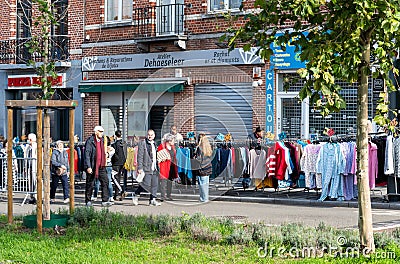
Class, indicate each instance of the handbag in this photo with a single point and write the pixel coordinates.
(205, 169)
(60, 171)
(163, 155)
(140, 177)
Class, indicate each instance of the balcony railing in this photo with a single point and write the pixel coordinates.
(14, 51)
(160, 20)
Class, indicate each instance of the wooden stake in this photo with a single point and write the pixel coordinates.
(9, 166)
(71, 160)
(39, 212)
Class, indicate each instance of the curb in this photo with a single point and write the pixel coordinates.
(304, 202)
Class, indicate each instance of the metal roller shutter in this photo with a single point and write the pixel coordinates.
(223, 108)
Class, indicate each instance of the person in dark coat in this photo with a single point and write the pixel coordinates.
(255, 138)
(147, 164)
(95, 166)
(59, 171)
(118, 161)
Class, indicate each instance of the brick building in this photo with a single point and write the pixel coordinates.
(134, 65)
(17, 80)
(151, 64)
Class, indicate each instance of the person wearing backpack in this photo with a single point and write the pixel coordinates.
(118, 161)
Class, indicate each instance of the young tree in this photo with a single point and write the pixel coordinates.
(339, 40)
(40, 46)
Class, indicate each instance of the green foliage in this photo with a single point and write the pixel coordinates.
(337, 39)
(40, 45)
(241, 235)
(103, 236)
(204, 234)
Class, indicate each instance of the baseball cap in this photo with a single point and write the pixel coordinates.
(98, 128)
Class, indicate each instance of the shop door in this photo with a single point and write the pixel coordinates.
(291, 117)
(160, 120)
(223, 108)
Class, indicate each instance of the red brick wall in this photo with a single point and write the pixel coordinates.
(184, 110)
(76, 32)
(91, 103)
(7, 19)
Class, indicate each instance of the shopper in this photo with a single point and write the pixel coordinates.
(95, 165)
(118, 161)
(59, 171)
(203, 156)
(166, 157)
(147, 164)
(109, 155)
(255, 138)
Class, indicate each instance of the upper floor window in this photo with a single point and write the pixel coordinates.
(222, 5)
(118, 10)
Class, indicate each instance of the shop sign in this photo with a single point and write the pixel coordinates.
(194, 58)
(33, 81)
(286, 59)
(269, 112)
(378, 84)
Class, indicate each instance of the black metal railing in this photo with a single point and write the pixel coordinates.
(160, 20)
(14, 51)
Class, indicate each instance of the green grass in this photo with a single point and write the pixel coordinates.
(105, 237)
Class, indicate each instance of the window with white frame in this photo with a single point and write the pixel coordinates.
(221, 5)
(118, 10)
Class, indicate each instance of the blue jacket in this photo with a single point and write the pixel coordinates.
(58, 159)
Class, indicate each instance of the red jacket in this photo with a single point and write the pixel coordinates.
(165, 166)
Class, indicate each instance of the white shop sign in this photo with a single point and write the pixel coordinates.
(195, 58)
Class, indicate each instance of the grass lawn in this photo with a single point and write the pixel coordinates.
(105, 237)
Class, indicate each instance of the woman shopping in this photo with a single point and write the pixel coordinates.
(203, 157)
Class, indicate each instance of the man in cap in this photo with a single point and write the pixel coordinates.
(95, 165)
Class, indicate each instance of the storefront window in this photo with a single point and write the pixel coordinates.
(111, 119)
(137, 117)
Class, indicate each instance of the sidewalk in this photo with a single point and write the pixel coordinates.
(234, 193)
(298, 196)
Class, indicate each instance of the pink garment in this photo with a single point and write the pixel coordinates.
(372, 164)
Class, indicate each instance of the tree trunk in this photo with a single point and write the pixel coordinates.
(46, 166)
(364, 200)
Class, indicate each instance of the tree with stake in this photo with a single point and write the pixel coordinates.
(40, 45)
(337, 39)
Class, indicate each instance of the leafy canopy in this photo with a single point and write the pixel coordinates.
(331, 37)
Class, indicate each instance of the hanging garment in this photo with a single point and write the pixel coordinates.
(389, 164)
(308, 163)
(257, 161)
(372, 164)
(331, 164)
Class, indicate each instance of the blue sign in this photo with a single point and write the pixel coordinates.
(269, 111)
(288, 59)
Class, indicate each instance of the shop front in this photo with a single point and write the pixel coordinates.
(206, 92)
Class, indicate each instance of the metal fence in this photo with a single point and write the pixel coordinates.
(24, 176)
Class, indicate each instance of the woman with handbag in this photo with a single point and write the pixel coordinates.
(59, 170)
(166, 158)
(203, 156)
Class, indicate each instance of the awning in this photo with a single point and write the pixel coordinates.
(145, 85)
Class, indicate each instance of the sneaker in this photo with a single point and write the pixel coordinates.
(89, 204)
(111, 199)
(135, 200)
(66, 200)
(93, 199)
(52, 200)
(106, 204)
(124, 194)
(153, 202)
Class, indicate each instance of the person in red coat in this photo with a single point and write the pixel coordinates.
(166, 158)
